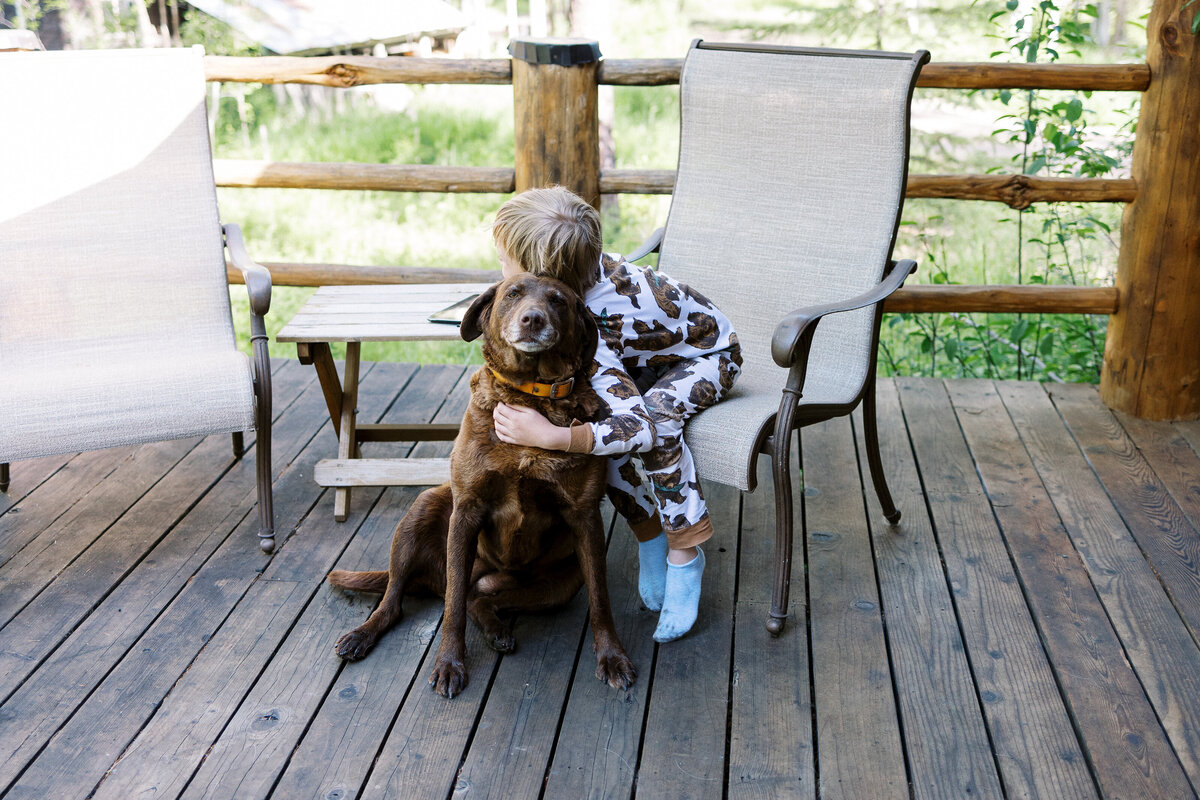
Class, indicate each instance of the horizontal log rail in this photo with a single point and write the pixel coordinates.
(1017, 191)
(344, 71)
(236, 173)
(1027, 299)
(918, 298)
(295, 274)
(1021, 191)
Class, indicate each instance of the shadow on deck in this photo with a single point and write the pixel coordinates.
(1029, 630)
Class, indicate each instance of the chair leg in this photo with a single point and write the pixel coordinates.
(262, 457)
(871, 432)
(782, 472)
(4, 477)
(239, 444)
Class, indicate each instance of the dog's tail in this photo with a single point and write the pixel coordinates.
(375, 581)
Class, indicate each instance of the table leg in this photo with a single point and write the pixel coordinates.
(319, 355)
(347, 446)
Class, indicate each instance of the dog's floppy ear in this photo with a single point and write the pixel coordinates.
(587, 333)
(476, 318)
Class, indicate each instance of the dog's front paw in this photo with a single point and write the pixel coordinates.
(449, 677)
(355, 644)
(616, 669)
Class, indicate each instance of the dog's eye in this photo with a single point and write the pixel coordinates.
(557, 299)
(514, 292)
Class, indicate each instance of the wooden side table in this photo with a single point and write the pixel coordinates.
(357, 314)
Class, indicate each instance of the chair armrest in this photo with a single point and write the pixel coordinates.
(256, 276)
(647, 247)
(796, 330)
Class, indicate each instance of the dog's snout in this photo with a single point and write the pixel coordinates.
(533, 320)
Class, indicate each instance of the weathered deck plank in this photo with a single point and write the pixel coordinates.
(598, 741)
(346, 732)
(1031, 732)
(50, 695)
(684, 744)
(1154, 637)
(78, 755)
(858, 734)
(1170, 542)
(512, 748)
(771, 753)
(255, 746)
(1129, 752)
(170, 747)
(27, 477)
(944, 731)
(152, 649)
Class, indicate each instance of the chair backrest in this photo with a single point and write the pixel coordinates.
(791, 177)
(109, 234)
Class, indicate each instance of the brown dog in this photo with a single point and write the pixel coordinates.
(514, 526)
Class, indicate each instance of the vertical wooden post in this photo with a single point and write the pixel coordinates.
(556, 125)
(1152, 352)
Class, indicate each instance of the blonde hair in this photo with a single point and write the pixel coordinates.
(551, 232)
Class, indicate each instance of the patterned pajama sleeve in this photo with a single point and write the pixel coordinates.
(629, 428)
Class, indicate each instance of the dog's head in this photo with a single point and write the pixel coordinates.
(532, 324)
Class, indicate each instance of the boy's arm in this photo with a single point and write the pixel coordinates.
(628, 428)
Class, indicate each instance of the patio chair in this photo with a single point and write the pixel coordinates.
(792, 169)
(115, 322)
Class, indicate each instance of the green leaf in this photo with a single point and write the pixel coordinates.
(951, 346)
(1018, 330)
(1047, 344)
(1074, 109)
(1011, 5)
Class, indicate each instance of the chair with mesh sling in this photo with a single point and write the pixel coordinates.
(791, 178)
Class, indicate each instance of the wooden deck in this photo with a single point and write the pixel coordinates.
(1029, 631)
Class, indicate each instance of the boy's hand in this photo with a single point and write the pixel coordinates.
(528, 428)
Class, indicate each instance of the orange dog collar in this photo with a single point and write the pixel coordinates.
(555, 391)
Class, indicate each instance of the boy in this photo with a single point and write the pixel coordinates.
(660, 341)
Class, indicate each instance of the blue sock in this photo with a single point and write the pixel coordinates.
(652, 571)
(680, 600)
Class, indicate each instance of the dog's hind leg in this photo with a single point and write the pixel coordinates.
(552, 589)
(417, 558)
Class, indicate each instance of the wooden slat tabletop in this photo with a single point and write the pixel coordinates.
(377, 313)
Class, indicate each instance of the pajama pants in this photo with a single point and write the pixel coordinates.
(663, 492)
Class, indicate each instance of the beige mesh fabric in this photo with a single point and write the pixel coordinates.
(115, 323)
(791, 172)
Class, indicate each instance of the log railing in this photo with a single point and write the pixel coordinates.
(344, 71)
(1171, 72)
(1016, 191)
